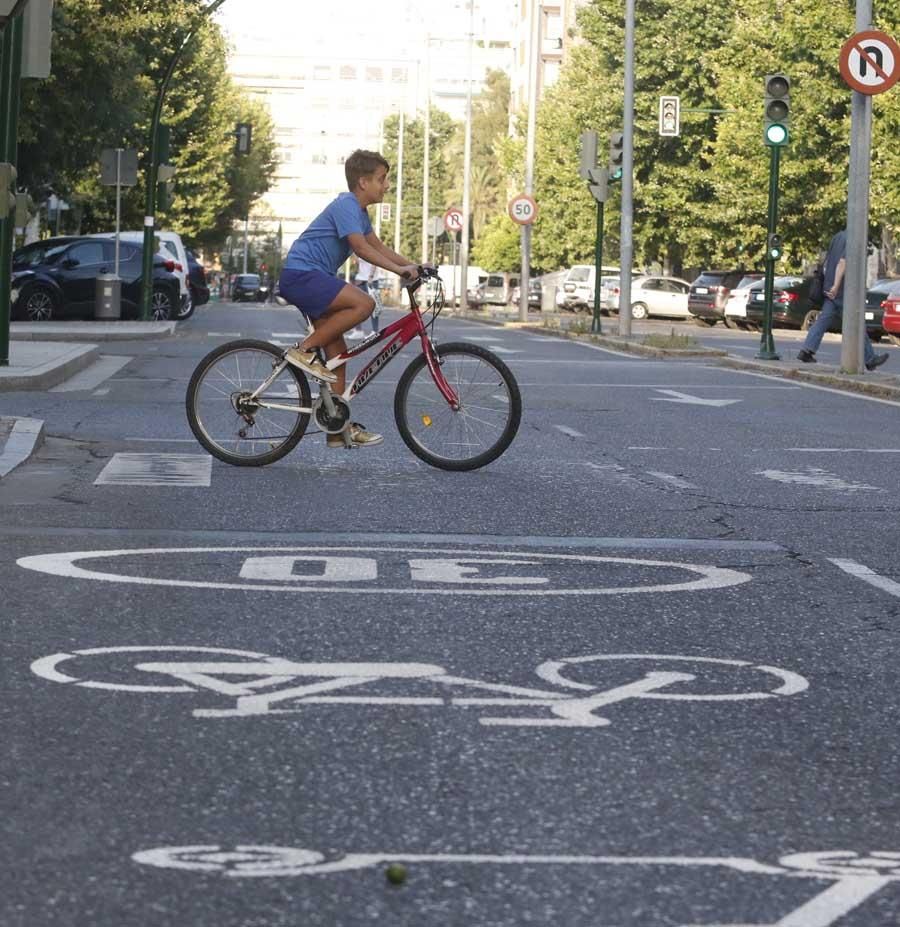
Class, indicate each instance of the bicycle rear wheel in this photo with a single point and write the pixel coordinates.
(485, 423)
(230, 425)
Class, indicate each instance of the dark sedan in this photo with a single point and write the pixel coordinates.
(197, 281)
(56, 278)
(248, 288)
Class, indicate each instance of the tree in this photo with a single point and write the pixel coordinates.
(498, 247)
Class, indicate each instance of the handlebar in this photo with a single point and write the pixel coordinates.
(424, 274)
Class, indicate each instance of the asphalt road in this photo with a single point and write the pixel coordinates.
(640, 671)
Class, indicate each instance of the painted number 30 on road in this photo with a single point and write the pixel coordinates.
(522, 209)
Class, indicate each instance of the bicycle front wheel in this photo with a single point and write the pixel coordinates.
(490, 408)
(231, 425)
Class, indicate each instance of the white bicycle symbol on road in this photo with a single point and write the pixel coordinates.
(256, 684)
(854, 877)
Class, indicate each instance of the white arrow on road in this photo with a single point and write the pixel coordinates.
(675, 396)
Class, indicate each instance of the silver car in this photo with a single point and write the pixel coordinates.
(652, 295)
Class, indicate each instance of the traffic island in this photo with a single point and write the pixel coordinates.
(39, 365)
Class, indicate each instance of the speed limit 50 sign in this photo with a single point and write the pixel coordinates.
(522, 209)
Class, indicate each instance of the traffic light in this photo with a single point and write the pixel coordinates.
(777, 109)
(243, 135)
(669, 116)
(7, 190)
(588, 154)
(774, 249)
(599, 184)
(165, 193)
(616, 141)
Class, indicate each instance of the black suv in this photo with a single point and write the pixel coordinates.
(709, 293)
(55, 279)
(248, 288)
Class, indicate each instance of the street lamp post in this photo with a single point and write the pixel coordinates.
(153, 165)
(467, 170)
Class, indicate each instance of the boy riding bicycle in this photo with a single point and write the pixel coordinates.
(308, 279)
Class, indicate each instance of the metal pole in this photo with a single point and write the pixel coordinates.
(246, 224)
(534, 32)
(627, 250)
(153, 168)
(401, 131)
(598, 263)
(426, 165)
(10, 69)
(853, 327)
(118, 203)
(467, 170)
(766, 341)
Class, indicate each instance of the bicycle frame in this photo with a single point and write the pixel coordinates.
(401, 333)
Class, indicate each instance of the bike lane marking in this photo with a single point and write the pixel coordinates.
(867, 575)
(427, 568)
(265, 685)
(855, 877)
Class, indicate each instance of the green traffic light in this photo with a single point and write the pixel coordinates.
(776, 134)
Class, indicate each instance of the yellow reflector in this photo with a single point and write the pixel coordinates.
(426, 420)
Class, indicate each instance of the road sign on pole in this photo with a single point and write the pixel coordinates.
(870, 62)
(522, 209)
(453, 219)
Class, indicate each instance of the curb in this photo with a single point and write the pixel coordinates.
(95, 331)
(53, 372)
(26, 437)
(624, 344)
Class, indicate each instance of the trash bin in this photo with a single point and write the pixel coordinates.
(108, 297)
(548, 298)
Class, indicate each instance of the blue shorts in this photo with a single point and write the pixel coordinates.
(311, 291)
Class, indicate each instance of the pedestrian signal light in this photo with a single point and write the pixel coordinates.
(774, 250)
(7, 190)
(588, 154)
(669, 116)
(777, 109)
(616, 141)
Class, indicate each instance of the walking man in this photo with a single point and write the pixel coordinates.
(833, 307)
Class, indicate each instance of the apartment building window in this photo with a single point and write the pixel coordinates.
(322, 72)
(374, 74)
(399, 75)
(348, 72)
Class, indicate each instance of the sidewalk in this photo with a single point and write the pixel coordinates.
(883, 383)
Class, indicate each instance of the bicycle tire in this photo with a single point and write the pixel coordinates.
(467, 428)
(200, 423)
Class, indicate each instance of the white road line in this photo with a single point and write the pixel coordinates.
(157, 470)
(93, 376)
(293, 335)
(223, 335)
(100, 392)
(813, 476)
(845, 450)
(672, 480)
(676, 396)
(498, 350)
(824, 389)
(487, 338)
(165, 440)
(571, 432)
(866, 575)
(596, 347)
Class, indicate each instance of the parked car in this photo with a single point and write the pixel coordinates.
(736, 304)
(890, 318)
(197, 281)
(56, 278)
(495, 289)
(170, 245)
(248, 288)
(651, 295)
(535, 293)
(609, 291)
(875, 296)
(709, 294)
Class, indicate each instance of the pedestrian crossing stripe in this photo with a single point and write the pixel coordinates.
(156, 470)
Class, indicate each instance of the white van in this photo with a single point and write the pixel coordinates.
(171, 245)
(577, 288)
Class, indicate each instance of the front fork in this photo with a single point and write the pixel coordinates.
(440, 381)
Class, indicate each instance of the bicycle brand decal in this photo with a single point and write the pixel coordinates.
(375, 366)
(253, 684)
(392, 570)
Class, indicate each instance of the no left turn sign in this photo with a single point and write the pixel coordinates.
(870, 62)
(522, 209)
(453, 219)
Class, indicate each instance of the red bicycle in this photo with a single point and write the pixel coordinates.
(457, 406)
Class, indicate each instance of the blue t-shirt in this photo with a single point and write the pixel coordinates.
(323, 246)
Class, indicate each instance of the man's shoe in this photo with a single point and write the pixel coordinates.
(359, 437)
(308, 362)
(806, 356)
(877, 361)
